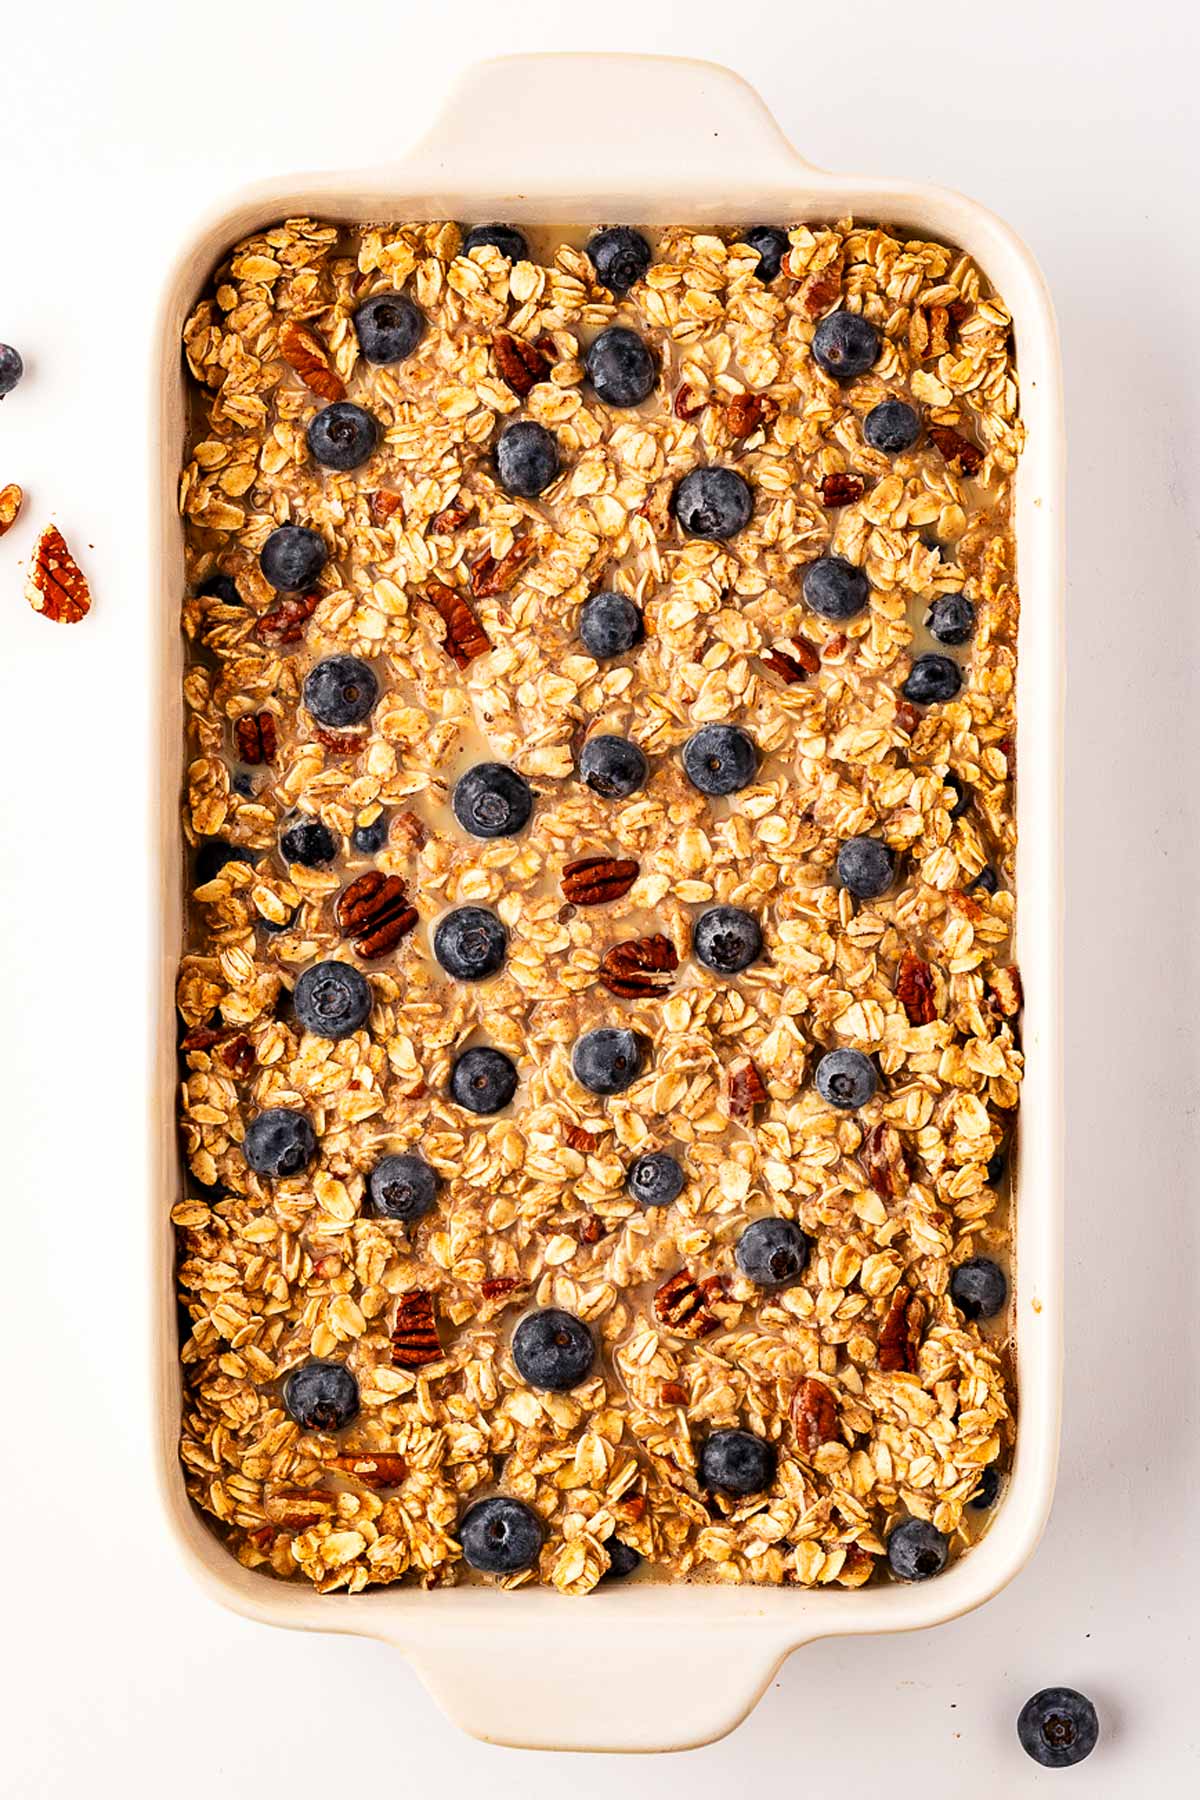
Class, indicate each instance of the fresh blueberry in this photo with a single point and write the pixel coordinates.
(720, 759)
(388, 327)
(613, 766)
(835, 588)
(997, 1165)
(220, 587)
(243, 784)
(623, 1559)
(402, 1187)
(892, 426)
(526, 458)
(273, 929)
(713, 503)
(321, 1396)
(845, 344)
(332, 999)
(368, 840)
(609, 624)
(470, 943)
(951, 619)
(620, 256)
(11, 369)
(608, 1060)
(292, 558)
(492, 801)
(504, 238)
(483, 1080)
(553, 1349)
(846, 1078)
(500, 1536)
(916, 1550)
(213, 855)
(737, 1462)
(1058, 1727)
(308, 842)
(655, 1179)
(978, 1288)
(985, 1493)
(987, 881)
(772, 1252)
(340, 691)
(279, 1143)
(620, 367)
(772, 245)
(961, 792)
(726, 939)
(866, 867)
(342, 436)
(932, 678)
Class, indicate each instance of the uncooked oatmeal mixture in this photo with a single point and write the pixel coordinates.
(600, 1035)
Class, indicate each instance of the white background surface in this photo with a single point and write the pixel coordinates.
(117, 125)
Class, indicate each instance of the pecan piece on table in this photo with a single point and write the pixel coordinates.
(254, 734)
(840, 489)
(414, 1335)
(793, 665)
(681, 1304)
(302, 350)
(815, 1415)
(374, 1468)
(57, 587)
(10, 505)
(453, 515)
(374, 913)
(465, 637)
(900, 1334)
(915, 989)
(956, 448)
(639, 966)
(744, 413)
(745, 1088)
(285, 623)
(819, 291)
(382, 504)
(591, 880)
(522, 364)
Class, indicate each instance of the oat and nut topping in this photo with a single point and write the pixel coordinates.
(778, 1376)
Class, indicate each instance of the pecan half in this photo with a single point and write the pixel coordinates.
(302, 350)
(882, 1156)
(382, 504)
(497, 1286)
(795, 664)
(900, 1334)
(815, 1415)
(414, 1335)
(820, 291)
(10, 505)
(254, 734)
(586, 1142)
(238, 1056)
(465, 637)
(489, 576)
(745, 1088)
(639, 966)
(298, 1508)
(840, 489)
(1005, 993)
(915, 989)
(680, 1304)
(374, 913)
(57, 587)
(452, 516)
(591, 880)
(285, 623)
(688, 401)
(374, 1468)
(520, 363)
(956, 448)
(746, 412)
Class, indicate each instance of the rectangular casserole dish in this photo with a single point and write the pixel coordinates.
(509, 1668)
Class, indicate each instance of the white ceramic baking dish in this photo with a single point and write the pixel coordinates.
(645, 1667)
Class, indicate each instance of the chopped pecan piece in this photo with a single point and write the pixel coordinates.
(302, 350)
(382, 504)
(673, 1393)
(238, 1056)
(10, 505)
(490, 577)
(203, 1037)
(929, 332)
(254, 734)
(465, 637)
(840, 489)
(452, 516)
(342, 743)
(907, 717)
(634, 1507)
(414, 1335)
(57, 587)
(586, 1142)
(746, 412)
(408, 832)
(522, 364)
(374, 913)
(680, 1304)
(795, 664)
(815, 1415)
(497, 1286)
(298, 1508)
(960, 312)
(745, 1087)
(956, 448)
(900, 1334)
(639, 966)
(285, 623)
(882, 1156)
(592, 1229)
(688, 401)
(374, 1468)
(1005, 994)
(915, 989)
(591, 880)
(820, 291)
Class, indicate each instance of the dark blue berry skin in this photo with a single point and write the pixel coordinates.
(292, 558)
(772, 246)
(736, 1462)
(1058, 1727)
(997, 1165)
(623, 1559)
(713, 503)
(388, 328)
(720, 759)
(369, 840)
(274, 930)
(470, 943)
(279, 1143)
(500, 1536)
(845, 345)
(321, 1396)
(608, 1060)
(11, 369)
(504, 238)
(985, 1494)
(620, 367)
(403, 1188)
(483, 1080)
(866, 867)
(244, 785)
(655, 1179)
(726, 939)
(332, 1000)
(951, 619)
(212, 857)
(492, 801)
(834, 588)
(846, 1078)
(609, 624)
(932, 678)
(978, 1288)
(961, 792)
(309, 843)
(526, 459)
(220, 587)
(342, 436)
(916, 1550)
(987, 881)
(620, 256)
(613, 766)
(553, 1350)
(340, 691)
(773, 1252)
(892, 426)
